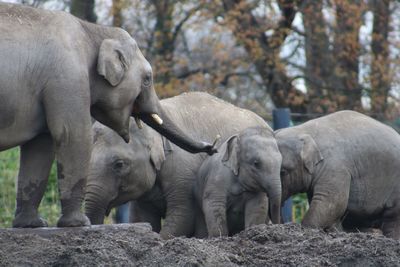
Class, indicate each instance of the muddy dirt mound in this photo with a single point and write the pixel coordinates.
(137, 245)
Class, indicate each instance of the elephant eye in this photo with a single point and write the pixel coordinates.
(146, 80)
(257, 163)
(118, 165)
(283, 172)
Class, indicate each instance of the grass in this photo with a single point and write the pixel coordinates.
(8, 172)
(9, 165)
(49, 208)
(300, 206)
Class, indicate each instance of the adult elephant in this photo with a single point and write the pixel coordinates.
(348, 164)
(55, 72)
(157, 174)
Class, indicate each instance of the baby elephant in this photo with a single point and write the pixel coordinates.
(231, 185)
(348, 164)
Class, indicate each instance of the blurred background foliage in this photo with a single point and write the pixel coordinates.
(315, 57)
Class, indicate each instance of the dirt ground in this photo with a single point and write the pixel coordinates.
(137, 245)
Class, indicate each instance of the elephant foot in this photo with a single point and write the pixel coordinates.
(76, 219)
(166, 235)
(28, 220)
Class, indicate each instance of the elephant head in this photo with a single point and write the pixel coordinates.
(300, 156)
(253, 157)
(120, 172)
(126, 89)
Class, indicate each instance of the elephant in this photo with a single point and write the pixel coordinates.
(56, 72)
(232, 186)
(348, 164)
(154, 172)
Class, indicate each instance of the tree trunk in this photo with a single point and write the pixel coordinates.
(163, 43)
(319, 60)
(347, 50)
(116, 10)
(380, 70)
(264, 50)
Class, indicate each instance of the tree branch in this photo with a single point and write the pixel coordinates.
(180, 24)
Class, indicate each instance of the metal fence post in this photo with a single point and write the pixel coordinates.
(122, 214)
(281, 119)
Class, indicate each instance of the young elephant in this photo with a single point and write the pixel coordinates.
(231, 186)
(348, 164)
(156, 173)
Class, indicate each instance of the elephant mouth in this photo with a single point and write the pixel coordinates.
(114, 121)
(139, 116)
(120, 200)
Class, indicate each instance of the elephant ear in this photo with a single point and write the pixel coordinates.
(157, 155)
(231, 156)
(112, 61)
(310, 153)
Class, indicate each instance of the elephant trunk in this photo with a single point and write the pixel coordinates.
(173, 133)
(274, 192)
(95, 207)
(147, 105)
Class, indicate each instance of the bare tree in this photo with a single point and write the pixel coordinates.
(380, 65)
(264, 50)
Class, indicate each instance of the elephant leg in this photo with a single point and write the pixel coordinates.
(36, 158)
(145, 212)
(391, 221)
(69, 123)
(179, 217)
(256, 210)
(329, 202)
(200, 224)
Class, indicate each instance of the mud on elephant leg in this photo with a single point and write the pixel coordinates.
(32, 180)
(73, 149)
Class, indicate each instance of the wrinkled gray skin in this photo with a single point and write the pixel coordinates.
(348, 164)
(231, 186)
(155, 172)
(55, 72)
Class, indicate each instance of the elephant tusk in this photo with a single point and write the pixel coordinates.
(157, 118)
(138, 122)
(217, 138)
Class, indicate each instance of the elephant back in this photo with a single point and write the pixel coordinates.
(205, 116)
